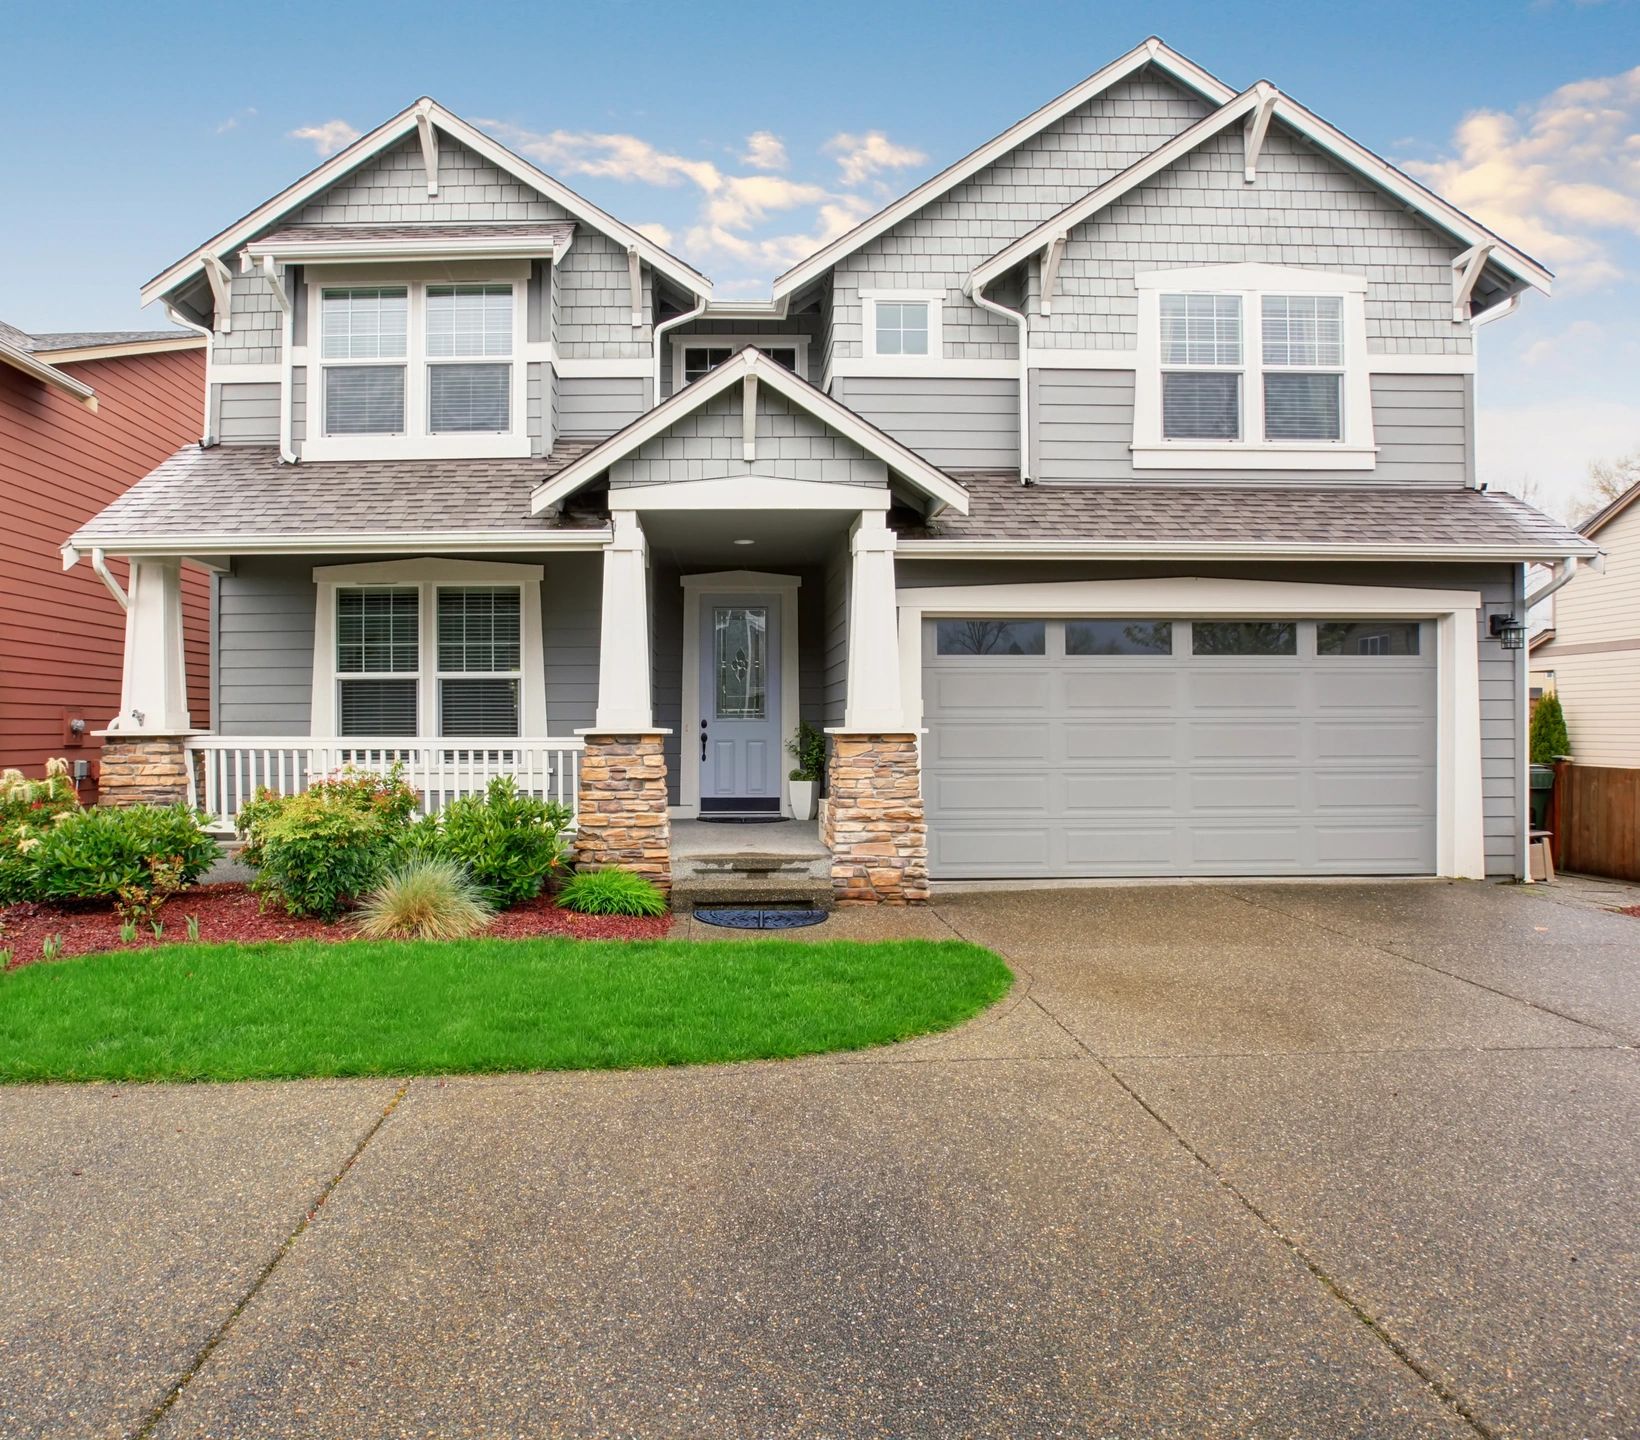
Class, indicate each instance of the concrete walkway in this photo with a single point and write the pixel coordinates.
(1264, 1160)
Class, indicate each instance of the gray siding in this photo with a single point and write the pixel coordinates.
(941, 243)
(258, 325)
(535, 409)
(1305, 210)
(706, 444)
(597, 405)
(1502, 672)
(298, 407)
(834, 660)
(1082, 428)
(809, 323)
(264, 653)
(962, 424)
(247, 414)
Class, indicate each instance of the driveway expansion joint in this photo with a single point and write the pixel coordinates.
(156, 1416)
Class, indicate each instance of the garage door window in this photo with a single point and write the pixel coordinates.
(1244, 637)
(990, 637)
(1366, 637)
(1118, 637)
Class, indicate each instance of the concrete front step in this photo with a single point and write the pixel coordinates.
(751, 879)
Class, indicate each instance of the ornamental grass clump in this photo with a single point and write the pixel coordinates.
(424, 899)
(612, 892)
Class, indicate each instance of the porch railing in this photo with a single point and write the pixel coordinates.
(225, 771)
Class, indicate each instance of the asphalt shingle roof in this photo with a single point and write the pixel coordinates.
(80, 339)
(1179, 513)
(242, 492)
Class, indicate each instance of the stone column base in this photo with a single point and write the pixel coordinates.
(874, 823)
(623, 819)
(143, 770)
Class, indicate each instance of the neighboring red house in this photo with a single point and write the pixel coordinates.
(82, 417)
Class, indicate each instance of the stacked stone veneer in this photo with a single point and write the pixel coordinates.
(873, 824)
(622, 818)
(143, 770)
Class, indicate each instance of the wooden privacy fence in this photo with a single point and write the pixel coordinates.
(1594, 813)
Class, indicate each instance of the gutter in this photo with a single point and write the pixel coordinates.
(936, 549)
(1564, 574)
(468, 542)
(976, 293)
(206, 439)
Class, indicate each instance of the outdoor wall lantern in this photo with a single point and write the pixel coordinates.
(1508, 630)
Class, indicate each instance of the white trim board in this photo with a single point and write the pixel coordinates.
(1460, 838)
(733, 582)
(750, 493)
(1151, 51)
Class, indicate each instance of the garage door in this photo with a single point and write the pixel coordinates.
(1176, 747)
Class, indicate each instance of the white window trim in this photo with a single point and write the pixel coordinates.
(428, 577)
(1251, 282)
(415, 443)
(1460, 835)
(681, 343)
(907, 364)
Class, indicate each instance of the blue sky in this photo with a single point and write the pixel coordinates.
(746, 134)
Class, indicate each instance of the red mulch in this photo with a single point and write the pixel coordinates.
(1633, 910)
(232, 912)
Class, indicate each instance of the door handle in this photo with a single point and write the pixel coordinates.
(702, 742)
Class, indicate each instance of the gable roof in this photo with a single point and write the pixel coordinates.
(17, 353)
(390, 133)
(1606, 514)
(1324, 136)
(931, 480)
(1148, 52)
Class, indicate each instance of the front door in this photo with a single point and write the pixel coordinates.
(738, 736)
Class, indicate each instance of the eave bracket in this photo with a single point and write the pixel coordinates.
(221, 291)
(1050, 270)
(634, 281)
(1258, 126)
(1466, 272)
(748, 417)
(429, 148)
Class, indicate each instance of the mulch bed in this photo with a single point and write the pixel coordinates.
(233, 913)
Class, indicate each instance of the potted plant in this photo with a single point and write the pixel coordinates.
(808, 748)
(1549, 742)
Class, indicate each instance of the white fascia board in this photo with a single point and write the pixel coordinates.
(348, 543)
(389, 133)
(1325, 137)
(927, 478)
(320, 252)
(37, 369)
(1150, 52)
(1219, 550)
(119, 350)
(1199, 595)
(750, 492)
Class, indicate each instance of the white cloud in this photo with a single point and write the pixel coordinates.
(658, 233)
(859, 157)
(234, 121)
(834, 217)
(329, 137)
(609, 156)
(764, 151)
(1560, 178)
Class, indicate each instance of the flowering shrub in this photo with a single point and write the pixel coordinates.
(28, 810)
(317, 852)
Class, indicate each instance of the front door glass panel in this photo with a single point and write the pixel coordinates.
(740, 662)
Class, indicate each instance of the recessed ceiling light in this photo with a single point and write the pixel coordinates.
(745, 542)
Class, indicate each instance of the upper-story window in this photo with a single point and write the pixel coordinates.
(1262, 366)
(698, 360)
(902, 327)
(464, 324)
(363, 328)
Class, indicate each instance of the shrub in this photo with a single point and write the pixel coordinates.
(136, 856)
(508, 843)
(317, 852)
(1549, 737)
(808, 748)
(426, 898)
(612, 892)
(28, 809)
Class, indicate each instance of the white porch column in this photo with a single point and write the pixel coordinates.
(874, 702)
(623, 644)
(153, 682)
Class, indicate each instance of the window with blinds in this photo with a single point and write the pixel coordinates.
(1201, 354)
(464, 323)
(1303, 342)
(359, 328)
(378, 659)
(480, 648)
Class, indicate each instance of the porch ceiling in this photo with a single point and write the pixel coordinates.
(695, 538)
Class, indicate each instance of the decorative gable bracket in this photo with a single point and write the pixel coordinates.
(1466, 271)
(1258, 126)
(221, 292)
(429, 145)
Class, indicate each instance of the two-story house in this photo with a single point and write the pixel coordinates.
(1110, 498)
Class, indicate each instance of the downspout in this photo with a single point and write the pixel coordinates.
(977, 295)
(1564, 572)
(206, 439)
(661, 329)
(99, 564)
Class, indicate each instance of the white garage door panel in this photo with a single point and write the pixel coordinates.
(1061, 765)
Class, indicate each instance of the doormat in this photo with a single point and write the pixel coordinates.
(742, 819)
(759, 917)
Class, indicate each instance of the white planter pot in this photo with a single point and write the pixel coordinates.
(802, 799)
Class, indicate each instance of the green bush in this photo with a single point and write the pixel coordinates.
(510, 844)
(317, 852)
(808, 748)
(427, 898)
(28, 810)
(612, 892)
(135, 856)
(1549, 737)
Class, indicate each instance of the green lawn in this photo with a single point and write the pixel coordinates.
(238, 1012)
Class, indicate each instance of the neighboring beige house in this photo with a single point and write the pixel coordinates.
(1590, 655)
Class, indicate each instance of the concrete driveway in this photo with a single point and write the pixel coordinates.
(1265, 1160)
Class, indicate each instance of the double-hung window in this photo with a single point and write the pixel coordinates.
(1303, 340)
(378, 660)
(469, 350)
(364, 344)
(480, 659)
(1201, 352)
